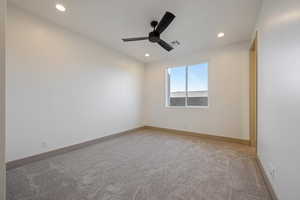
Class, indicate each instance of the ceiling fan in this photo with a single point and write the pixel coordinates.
(158, 28)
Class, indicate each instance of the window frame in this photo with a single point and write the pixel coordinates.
(167, 87)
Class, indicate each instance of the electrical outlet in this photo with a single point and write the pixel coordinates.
(185, 126)
(272, 171)
(44, 144)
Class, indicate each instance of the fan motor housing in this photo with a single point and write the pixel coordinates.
(154, 36)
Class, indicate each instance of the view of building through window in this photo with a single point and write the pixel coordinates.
(188, 85)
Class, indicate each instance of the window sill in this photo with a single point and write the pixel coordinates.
(187, 107)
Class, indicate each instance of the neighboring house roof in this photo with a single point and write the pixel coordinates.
(203, 93)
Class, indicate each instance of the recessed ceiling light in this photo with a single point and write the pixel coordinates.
(220, 35)
(60, 7)
(147, 54)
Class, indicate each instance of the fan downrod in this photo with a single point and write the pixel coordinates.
(154, 24)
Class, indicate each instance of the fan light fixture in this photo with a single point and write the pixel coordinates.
(158, 28)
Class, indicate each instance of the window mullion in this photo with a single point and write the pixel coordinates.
(186, 85)
(169, 89)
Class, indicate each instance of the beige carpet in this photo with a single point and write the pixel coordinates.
(143, 165)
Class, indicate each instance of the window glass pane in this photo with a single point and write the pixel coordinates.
(177, 90)
(198, 85)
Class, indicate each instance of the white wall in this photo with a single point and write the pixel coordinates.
(2, 98)
(279, 94)
(228, 112)
(64, 89)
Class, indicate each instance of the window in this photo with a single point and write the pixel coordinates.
(187, 86)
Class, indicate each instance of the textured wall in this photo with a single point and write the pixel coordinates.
(279, 94)
(228, 112)
(63, 89)
(2, 98)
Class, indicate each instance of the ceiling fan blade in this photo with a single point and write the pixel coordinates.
(165, 22)
(165, 45)
(134, 39)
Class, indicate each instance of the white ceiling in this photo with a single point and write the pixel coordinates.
(196, 25)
